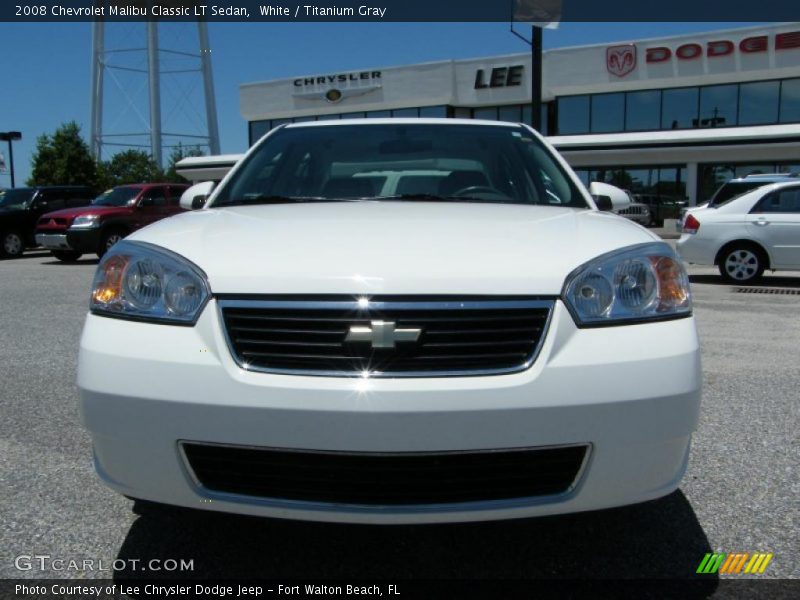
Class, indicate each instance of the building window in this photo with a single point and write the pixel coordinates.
(512, 113)
(608, 113)
(718, 106)
(712, 176)
(573, 115)
(406, 112)
(790, 101)
(758, 102)
(679, 108)
(728, 105)
(662, 181)
(258, 129)
(643, 110)
(379, 114)
(486, 112)
(434, 112)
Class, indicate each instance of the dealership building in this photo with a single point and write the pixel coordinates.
(673, 116)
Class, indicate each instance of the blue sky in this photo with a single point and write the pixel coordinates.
(46, 66)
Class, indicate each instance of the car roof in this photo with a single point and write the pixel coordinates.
(767, 178)
(403, 121)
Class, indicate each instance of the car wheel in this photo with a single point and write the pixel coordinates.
(12, 244)
(67, 255)
(109, 238)
(741, 264)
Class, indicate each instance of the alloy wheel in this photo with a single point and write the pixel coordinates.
(742, 264)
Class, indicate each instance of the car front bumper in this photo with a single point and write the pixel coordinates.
(631, 393)
(85, 241)
(53, 241)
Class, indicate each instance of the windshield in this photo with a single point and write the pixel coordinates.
(16, 199)
(120, 196)
(405, 162)
(732, 190)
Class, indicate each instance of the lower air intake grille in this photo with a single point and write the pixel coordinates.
(419, 337)
(385, 479)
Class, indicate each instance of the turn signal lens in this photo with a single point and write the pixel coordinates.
(673, 284)
(108, 280)
(637, 283)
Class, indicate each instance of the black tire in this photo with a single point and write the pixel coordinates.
(67, 255)
(742, 264)
(108, 239)
(12, 244)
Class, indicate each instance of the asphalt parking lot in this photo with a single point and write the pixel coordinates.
(740, 493)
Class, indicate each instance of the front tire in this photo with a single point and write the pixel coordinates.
(67, 255)
(108, 239)
(742, 264)
(12, 244)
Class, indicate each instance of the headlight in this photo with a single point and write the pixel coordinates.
(639, 283)
(140, 281)
(86, 222)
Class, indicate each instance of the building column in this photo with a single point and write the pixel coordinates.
(691, 183)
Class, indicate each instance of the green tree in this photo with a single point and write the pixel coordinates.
(178, 153)
(63, 159)
(129, 166)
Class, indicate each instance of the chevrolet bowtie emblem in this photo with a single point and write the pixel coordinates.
(381, 334)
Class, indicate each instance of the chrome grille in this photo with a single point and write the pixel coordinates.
(457, 336)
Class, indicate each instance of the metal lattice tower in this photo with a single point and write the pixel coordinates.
(152, 83)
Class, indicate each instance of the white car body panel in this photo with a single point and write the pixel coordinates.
(391, 247)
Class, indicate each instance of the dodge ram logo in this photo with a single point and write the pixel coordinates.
(621, 60)
(381, 334)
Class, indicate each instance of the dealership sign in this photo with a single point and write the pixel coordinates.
(337, 87)
(621, 60)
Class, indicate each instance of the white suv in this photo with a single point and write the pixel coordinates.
(392, 321)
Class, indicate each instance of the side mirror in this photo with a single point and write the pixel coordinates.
(619, 198)
(197, 195)
(603, 202)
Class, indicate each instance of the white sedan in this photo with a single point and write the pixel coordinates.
(756, 231)
(392, 321)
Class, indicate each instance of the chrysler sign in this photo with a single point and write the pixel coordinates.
(621, 60)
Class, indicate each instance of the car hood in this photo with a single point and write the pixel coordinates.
(391, 247)
(71, 213)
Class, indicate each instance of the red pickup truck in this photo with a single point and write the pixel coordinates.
(70, 233)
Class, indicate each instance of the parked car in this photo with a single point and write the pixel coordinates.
(753, 232)
(636, 212)
(660, 207)
(20, 208)
(316, 343)
(93, 229)
(736, 187)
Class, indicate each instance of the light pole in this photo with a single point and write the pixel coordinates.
(536, 73)
(10, 136)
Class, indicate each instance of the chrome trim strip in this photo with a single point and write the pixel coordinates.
(303, 505)
(53, 241)
(393, 305)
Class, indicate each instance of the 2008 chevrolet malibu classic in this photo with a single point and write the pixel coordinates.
(392, 321)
